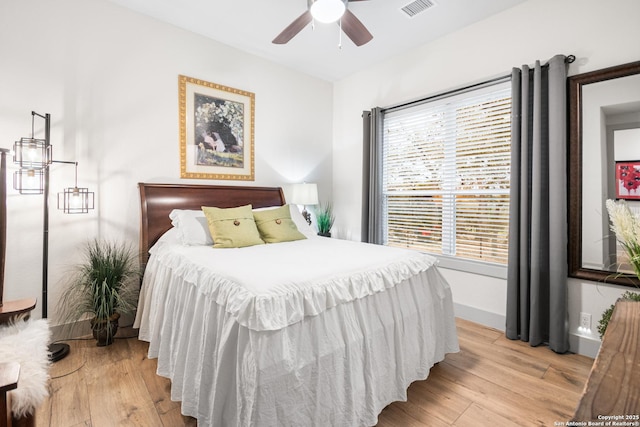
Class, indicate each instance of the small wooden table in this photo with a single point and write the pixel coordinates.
(9, 374)
(10, 309)
(613, 387)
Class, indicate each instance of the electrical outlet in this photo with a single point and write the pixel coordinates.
(585, 321)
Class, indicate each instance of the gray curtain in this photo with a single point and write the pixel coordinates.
(537, 270)
(371, 231)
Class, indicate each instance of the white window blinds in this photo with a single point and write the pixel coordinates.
(445, 175)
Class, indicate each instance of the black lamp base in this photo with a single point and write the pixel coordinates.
(58, 351)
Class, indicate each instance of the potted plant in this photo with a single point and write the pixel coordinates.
(104, 286)
(626, 226)
(325, 219)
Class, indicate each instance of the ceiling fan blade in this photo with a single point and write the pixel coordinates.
(294, 28)
(355, 29)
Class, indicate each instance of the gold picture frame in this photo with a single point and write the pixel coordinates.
(216, 131)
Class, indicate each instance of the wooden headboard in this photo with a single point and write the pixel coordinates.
(158, 200)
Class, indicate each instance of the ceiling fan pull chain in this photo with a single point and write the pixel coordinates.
(340, 35)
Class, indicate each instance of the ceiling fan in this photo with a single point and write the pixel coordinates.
(328, 11)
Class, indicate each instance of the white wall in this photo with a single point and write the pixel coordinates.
(599, 34)
(109, 79)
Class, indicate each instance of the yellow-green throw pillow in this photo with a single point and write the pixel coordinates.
(276, 225)
(232, 227)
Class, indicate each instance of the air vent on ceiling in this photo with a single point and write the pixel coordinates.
(417, 6)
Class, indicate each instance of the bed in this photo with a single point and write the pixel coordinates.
(312, 332)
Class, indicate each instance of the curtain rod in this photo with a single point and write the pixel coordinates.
(449, 92)
(568, 60)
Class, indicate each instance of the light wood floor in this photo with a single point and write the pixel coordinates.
(492, 381)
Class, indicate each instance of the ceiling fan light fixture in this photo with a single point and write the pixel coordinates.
(327, 11)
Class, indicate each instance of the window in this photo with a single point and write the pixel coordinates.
(445, 175)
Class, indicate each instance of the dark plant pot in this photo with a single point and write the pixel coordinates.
(327, 234)
(104, 334)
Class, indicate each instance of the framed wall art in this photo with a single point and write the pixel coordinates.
(216, 131)
(628, 180)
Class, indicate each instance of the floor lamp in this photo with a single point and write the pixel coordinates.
(34, 156)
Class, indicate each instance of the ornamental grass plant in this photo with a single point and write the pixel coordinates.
(103, 286)
(626, 226)
(325, 219)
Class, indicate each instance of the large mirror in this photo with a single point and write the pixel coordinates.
(604, 138)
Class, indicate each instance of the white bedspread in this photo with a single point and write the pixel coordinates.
(267, 287)
(314, 332)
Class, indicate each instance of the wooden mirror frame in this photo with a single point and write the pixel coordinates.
(575, 175)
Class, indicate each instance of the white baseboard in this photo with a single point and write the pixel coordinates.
(82, 328)
(584, 345)
(70, 330)
(577, 343)
(493, 320)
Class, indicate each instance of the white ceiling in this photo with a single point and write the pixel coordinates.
(250, 25)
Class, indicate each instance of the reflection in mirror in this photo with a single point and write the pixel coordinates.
(604, 164)
(609, 113)
(624, 178)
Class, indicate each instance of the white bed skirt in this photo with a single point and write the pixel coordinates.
(339, 368)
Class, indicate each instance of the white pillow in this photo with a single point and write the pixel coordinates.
(192, 227)
(171, 236)
(298, 219)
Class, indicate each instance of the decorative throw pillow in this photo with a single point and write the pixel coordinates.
(232, 227)
(276, 225)
(298, 220)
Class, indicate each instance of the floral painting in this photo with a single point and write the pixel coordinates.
(216, 131)
(628, 180)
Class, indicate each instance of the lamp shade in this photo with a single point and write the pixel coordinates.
(29, 181)
(327, 11)
(304, 194)
(31, 153)
(76, 200)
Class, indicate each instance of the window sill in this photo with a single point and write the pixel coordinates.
(476, 267)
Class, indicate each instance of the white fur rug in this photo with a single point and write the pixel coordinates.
(27, 342)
